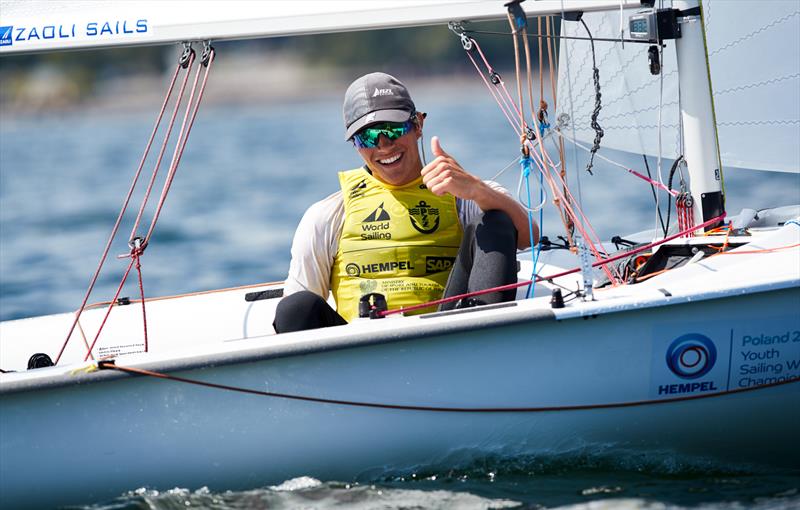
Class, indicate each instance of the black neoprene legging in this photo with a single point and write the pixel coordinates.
(486, 259)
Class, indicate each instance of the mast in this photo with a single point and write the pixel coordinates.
(701, 147)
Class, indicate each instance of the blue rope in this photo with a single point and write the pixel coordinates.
(525, 166)
(790, 222)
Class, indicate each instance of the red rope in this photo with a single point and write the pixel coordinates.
(108, 310)
(137, 257)
(110, 365)
(164, 144)
(183, 137)
(121, 214)
(545, 278)
(138, 248)
(542, 159)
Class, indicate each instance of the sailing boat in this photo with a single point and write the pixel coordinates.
(701, 361)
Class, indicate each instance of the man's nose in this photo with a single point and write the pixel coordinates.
(383, 141)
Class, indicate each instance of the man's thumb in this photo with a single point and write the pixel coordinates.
(436, 147)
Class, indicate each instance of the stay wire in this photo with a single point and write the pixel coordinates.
(571, 110)
(655, 197)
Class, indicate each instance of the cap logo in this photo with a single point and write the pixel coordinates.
(382, 92)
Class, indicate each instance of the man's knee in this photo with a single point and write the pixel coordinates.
(299, 311)
(497, 225)
(302, 300)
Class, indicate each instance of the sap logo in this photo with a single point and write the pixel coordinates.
(5, 36)
(382, 92)
(438, 264)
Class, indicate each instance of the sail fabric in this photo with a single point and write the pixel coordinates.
(754, 56)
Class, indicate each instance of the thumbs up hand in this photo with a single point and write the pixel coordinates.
(445, 175)
(436, 147)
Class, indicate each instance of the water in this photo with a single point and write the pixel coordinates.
(246, 178)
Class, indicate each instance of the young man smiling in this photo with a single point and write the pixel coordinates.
(409, 231)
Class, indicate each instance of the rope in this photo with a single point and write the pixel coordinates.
(138, 244)
(121, 214)
(523, 283)
(111, 365)
(597, 105)
(631, 171)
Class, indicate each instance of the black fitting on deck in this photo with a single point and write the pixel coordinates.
(371, 305)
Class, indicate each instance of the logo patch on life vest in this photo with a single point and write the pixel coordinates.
(367, 286)
(437, 264)
(379, 214)
(424, 218)
(358, 189)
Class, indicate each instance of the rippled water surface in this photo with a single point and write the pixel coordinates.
(247, 176)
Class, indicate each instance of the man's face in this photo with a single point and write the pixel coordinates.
(395, 162)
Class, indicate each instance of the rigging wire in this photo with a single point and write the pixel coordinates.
(655, 196)
(539, 153)
(660, 128)
(572, 113)
(620, 165)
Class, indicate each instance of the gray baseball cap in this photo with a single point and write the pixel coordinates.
(375, 98)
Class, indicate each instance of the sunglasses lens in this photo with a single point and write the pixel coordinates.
(367, 138)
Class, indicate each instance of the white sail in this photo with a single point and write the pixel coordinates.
(754, 55)
(38, 25)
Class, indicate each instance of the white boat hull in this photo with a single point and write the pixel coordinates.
(590, 385)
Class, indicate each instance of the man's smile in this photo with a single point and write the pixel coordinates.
(391, 159)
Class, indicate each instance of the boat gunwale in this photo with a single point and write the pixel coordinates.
(343, 337)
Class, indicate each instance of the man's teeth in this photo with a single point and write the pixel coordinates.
(389, 161)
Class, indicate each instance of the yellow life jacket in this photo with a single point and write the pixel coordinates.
(399, 241)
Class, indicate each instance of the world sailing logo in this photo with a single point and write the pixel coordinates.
(5, 36)
(691, 356)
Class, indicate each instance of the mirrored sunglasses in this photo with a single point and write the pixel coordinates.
(368, 137)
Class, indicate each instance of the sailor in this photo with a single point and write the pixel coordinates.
(409, 231)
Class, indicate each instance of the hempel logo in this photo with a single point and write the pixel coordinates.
(5, 36)
(382, 92)
(691, 356)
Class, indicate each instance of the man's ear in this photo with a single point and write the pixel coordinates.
(419, 120)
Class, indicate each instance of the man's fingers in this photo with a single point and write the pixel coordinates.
(435, 164)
